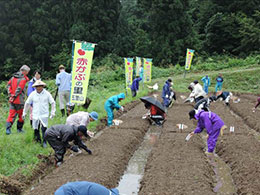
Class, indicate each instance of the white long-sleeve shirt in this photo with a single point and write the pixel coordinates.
(40, 109)
(197, 91)
(79, 118)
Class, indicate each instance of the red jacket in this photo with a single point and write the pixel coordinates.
(156, 111)
(16, 87)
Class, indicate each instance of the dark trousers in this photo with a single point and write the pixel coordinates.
(133, 93)
(57, 146)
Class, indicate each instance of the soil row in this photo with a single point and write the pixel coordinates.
(176, 166)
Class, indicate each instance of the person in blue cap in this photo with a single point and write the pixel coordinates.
(111, 104)
(85, 188)
(206, 83)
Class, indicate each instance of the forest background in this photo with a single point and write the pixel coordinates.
(39, 32)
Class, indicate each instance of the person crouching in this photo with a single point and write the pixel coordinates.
(59, 136)
(156, 115)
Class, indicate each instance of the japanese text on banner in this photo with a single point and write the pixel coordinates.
(129, 72)
(189, 57)
(81, 67)
(147, 70)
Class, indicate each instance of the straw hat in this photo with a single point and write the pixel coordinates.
(39, 83)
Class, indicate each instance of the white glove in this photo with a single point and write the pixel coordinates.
(166, 96)
(52, 116)
(24, 115)
(122, 108)
(91, 134)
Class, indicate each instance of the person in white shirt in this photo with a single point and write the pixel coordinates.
(82, 118)
(197, 92)
(40, 98)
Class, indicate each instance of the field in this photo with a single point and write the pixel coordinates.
(174, 166)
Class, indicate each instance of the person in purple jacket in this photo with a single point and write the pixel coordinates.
(212, 123)
(135, 85)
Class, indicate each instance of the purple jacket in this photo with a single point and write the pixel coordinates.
(212, 123)
(135, 84)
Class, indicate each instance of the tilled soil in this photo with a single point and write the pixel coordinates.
(111, 153)
(174, 166)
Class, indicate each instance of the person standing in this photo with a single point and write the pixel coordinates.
(59, 136)
(82, 118)
(40, 98)
(30, 89)
(206, 83)
(166, 93)
(16, 94)
(212, 123)
(141, 73)
(85, 188)
(219, 83)
(63, 80)
(135, 85)
(111, 104)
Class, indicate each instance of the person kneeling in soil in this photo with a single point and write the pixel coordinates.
(156, 115)
(204, 103)
(59, 136)
(85, 188)
(257, 104)
(197, 93)
(82, 118)
(111, 104)
(212, 123)
(225, 96)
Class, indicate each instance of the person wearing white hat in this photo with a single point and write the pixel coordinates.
(40, 98)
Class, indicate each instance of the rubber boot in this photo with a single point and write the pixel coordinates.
(8, 128)
(44, 145)
(37, 136)
(62, 112)
(20, 127)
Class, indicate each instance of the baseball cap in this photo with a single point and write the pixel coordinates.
(192, 114)
(83, 130)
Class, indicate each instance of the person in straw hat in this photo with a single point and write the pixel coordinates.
(40, 98)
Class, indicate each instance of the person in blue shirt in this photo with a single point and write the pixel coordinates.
(167, 93)
(30, 89)
(111, 104)
(206, 83)
(85, 188)
(63, 80)
(135, 85)
(219, 83)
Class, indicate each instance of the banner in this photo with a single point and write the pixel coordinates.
(138, 65)
(189, 57)
(129, 62)
(82, 55)
(148, 70)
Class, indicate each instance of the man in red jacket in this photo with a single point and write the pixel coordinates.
(16, 93)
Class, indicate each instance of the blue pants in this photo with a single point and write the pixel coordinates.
(110, 116)
(218, 86)
(166, 102)
(206, 89)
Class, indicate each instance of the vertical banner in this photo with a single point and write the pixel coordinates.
(129, 62)
(189, 57)
(147, 70)
(81, 65)
(138, 65)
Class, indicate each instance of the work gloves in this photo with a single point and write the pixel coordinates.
(121, 108)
